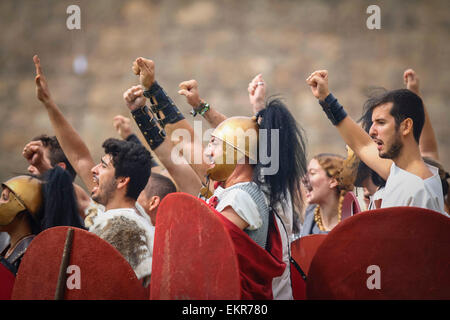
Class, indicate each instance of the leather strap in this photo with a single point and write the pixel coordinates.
(162, 105)
(299, 269)
(149, 127)
(20, 249)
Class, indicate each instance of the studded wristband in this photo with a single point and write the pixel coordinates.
(153, 134)
(162, 105)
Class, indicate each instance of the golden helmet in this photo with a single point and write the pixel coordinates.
(26, 194)
(240, 139)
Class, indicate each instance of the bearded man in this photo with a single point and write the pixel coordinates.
(116, 183)
(391, 148)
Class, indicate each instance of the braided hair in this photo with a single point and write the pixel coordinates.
(333, 165)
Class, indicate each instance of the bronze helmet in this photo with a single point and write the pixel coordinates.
(240, 139)
(26, 194)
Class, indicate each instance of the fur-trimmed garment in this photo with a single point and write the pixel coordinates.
(131, 233)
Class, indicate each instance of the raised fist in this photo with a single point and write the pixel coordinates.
(145, 68)
(34, 153)
(123, 126)
(134, 98)
(42, 91)
(257, 93)
(318, 81)
(189, 89)
(411, 80)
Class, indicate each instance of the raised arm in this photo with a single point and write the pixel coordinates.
(257, 93)
(71, 143)
(176, 127)
(189, 89)
(179, 169)
(123, 127)
(34, 153)
(354, 136)
(427, 142)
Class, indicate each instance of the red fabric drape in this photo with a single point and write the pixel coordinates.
(257, 267)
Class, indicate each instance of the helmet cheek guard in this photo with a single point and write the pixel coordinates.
(240, 141)
(26, 194)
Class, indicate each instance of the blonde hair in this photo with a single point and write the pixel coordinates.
(333, 165)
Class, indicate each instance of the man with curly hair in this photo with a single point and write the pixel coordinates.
(115, 183)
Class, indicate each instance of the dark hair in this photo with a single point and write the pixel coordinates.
(56, 153)
(130, 160)
(366, 122)
(292, 158)
(60, 203)
(159, 185)
(406, 104)
(363, 172)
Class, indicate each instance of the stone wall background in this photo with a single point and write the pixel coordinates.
(222, 44)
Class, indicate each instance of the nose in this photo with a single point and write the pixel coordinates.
(94, 169)
(372, 131)
(208, 151)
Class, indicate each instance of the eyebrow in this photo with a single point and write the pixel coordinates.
(104, 162)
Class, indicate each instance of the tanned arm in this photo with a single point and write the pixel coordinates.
(427, 142)
(145, 68)
(185, 178)
(71, 143)
(354, 136)
(189, 89)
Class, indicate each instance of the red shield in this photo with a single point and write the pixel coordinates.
(304, 249)
(391, 253)
(96, 269)
(6, 282)
(350, 205)
(193, 255)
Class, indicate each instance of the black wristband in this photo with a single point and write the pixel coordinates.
(334, 110)
(149, 127)
(162, 105)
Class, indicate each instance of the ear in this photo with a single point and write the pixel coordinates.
(333, 183)
(153, 203)
(122, 182)
(406, 126)
(62, 165)
(152, 208)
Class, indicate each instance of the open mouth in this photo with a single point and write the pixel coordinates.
(307, 184)
(379, 143)
(96, 184)
(211, 160)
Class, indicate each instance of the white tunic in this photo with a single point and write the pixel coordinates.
(243, 204)
(406, 189)
(281, 286)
